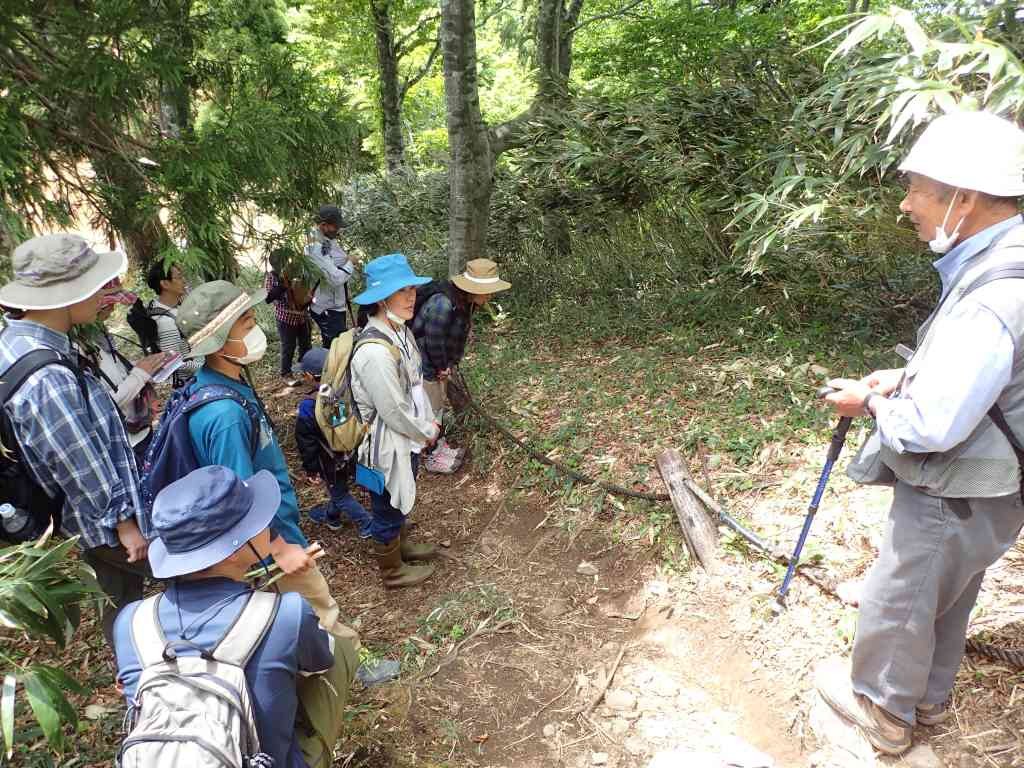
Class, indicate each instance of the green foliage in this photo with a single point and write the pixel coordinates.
(41, 590)
(201, 109)
(833, 170)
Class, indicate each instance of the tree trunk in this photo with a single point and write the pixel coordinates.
(475, 147)
(390, 89)
(124, 193)
(472, 162)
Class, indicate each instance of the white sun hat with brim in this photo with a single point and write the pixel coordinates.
(973, 151)
(56, 271)
(480, 277)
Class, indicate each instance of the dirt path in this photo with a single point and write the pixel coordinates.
(508, 644)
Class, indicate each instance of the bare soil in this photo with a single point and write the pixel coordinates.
(507, 649)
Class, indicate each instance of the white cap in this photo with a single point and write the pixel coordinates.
(971, 150)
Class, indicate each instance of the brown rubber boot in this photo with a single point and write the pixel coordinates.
(411, 551)
(393, 572)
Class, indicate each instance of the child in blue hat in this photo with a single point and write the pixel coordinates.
(319, 461)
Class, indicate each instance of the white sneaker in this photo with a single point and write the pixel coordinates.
(441, 463)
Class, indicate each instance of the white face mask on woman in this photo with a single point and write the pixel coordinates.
(392, 316)
(255, 346)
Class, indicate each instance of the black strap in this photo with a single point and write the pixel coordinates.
(19, 372)
(996, 414)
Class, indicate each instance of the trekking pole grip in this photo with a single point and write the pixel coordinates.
(839, 438)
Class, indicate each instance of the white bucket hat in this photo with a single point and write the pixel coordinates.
(55, 271)
(971, 150)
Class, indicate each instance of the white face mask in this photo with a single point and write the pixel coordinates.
(255, 346)
(392, 316)
(942, 242)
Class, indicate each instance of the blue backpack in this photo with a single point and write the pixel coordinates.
(170, 455)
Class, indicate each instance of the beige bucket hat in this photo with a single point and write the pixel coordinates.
(481, 277)
(55, 271)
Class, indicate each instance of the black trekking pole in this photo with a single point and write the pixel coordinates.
(834, 449)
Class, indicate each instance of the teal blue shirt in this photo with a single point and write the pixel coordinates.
(222, 435)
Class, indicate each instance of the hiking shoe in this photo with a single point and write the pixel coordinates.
(325, 516)
(933, 714)
(394, 573)
(416, 551)
(439, 464)
(886, 733)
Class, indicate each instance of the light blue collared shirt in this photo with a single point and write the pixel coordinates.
(967, 367)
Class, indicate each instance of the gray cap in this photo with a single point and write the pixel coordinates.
(206, 315)
(330, 214)
(54, 271)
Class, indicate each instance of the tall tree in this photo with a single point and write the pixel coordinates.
(385, 41)
(188, 112)
(474, 145)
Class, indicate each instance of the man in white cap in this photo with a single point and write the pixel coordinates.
(68, 431)
(948, 434)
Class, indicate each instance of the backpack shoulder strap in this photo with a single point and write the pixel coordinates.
(19, 372)
(208, 394)
(248, 629)
(213, 392)
(154, 311)
(375, 336)
(147, 634)
(1013, 269)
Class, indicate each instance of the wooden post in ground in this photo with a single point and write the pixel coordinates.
(700, 532)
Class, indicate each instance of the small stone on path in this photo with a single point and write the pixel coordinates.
(599, 758)
(634, 745)
(586, 569)
(620, 700)
(549, 731)
(922, 756)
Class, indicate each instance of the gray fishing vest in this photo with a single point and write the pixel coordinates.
(984, 465)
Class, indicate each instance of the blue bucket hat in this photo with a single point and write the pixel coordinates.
(312, 362)
(207, 516)
(386, 276)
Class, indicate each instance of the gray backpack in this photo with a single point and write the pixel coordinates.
(195, 711)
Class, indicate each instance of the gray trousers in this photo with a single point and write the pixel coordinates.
(123, 582)
(919, 594)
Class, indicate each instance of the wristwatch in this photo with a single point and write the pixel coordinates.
(867, 402)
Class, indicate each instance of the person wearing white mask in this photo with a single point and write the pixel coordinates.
(387, 383)
(949, 431)
(219, 322)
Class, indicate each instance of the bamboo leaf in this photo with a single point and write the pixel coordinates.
(41, 698)
(7, 693)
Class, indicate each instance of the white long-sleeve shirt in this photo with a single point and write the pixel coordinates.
(335, 270)
(967, 367)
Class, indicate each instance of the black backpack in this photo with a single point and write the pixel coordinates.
(425, 292)
(18, 487)
(140, 318)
